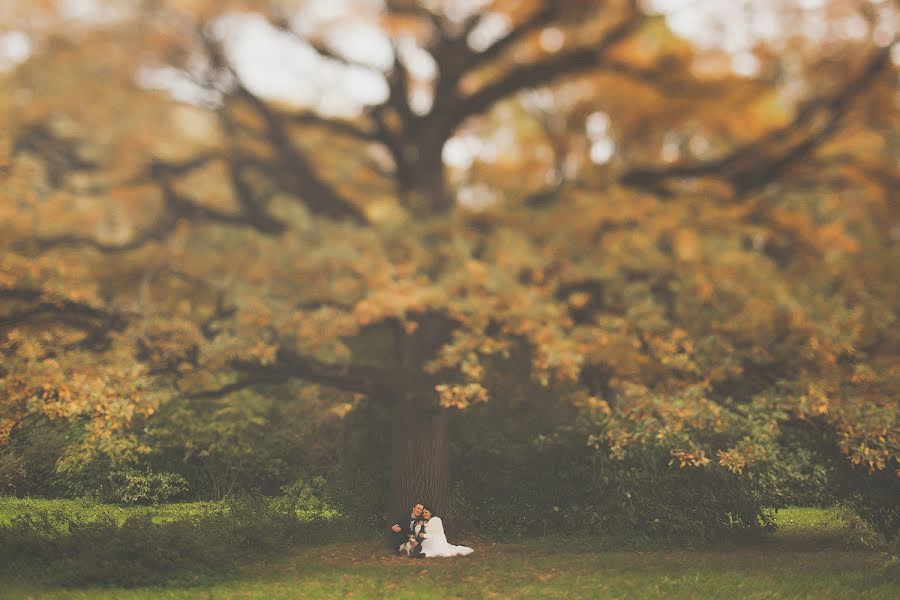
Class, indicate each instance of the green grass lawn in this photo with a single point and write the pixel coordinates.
(806, 558)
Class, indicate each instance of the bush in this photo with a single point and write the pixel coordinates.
(99, 480)
(874, 498)
(83, 479)
(553, 482)
(309, 499)
(12, 473)
(857, 532)
(30, 457)
(63, 549)
(146, 488)
(796, 476)
(561, 488)
(361, 494)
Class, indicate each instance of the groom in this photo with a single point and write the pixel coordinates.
(405, 526)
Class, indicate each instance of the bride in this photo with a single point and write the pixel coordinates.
(434, 540)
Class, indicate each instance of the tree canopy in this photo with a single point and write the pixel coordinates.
(392, 198)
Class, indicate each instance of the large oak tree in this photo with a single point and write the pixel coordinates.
(704, 257)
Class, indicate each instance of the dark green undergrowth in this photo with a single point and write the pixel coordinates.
(875, 499)
(94, 544)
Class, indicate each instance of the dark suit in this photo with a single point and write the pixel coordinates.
(407, 525)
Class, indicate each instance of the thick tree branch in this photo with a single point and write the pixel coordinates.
(60, 156)
(42, 308)
(351, 378)
(222, 312)
(297, 171)
(341, 127)
(753, 165)
(452, 52)
(310, 118)
(574, 60)
(758, 175)
(298, 176)
(175, 208)
(262, 375)
(398, 88)
(291, 365)
(414, 9)
(158, 169)
(250, 206)
(39, 304)
(541, 17)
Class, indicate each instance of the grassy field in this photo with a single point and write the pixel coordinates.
(806, 558)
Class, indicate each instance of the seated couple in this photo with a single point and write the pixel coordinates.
(422, 535)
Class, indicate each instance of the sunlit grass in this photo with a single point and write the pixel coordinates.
(817, 524)
(87, 510)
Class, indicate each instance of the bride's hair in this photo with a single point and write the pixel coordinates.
(429, 509)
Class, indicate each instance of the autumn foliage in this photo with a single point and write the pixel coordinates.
(698, 259)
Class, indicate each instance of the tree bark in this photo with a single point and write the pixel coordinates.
(421, 175)
(420, 436)
(425, 186)
(420, 455)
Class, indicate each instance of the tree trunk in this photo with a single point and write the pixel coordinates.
(421, 174)
(420, 446)
(420, 437)
(427, 186)
(420, 460)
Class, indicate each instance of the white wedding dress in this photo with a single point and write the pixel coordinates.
(435, 543)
